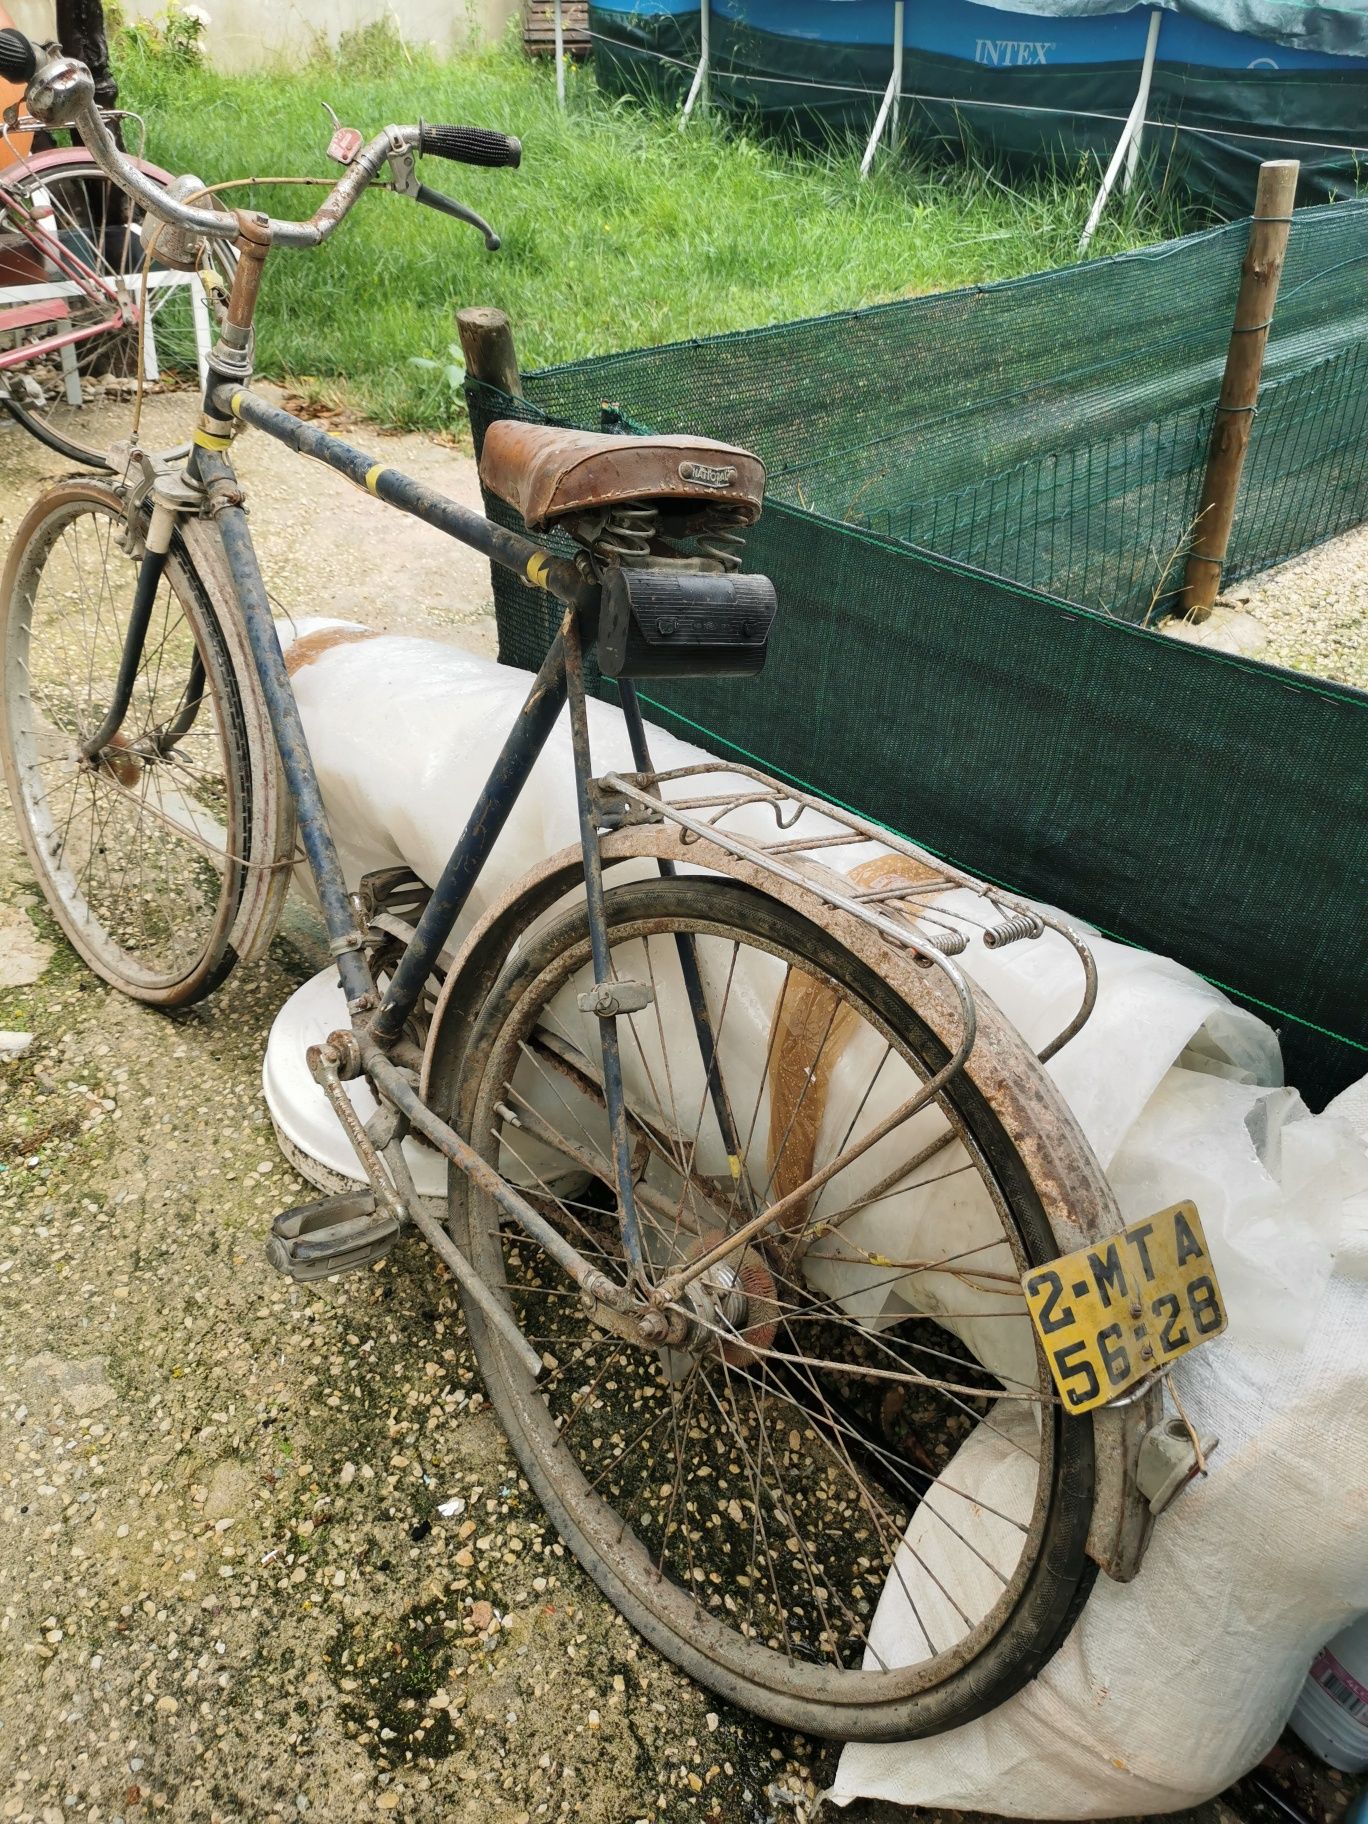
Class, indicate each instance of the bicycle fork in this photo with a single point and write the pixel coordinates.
(167, 507)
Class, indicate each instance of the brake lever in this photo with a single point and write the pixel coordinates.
(404, 182)
(447, 205)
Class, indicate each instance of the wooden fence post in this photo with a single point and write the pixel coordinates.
(487, 344)
(1259, 276)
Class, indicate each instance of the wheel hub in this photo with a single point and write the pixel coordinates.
(734, 1305)
(119, 759)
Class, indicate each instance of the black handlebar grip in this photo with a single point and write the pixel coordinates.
(18, 58)
(470, 145)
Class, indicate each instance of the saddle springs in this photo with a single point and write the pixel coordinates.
(643, 534)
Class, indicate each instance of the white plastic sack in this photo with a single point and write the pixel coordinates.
(1172, 1686)
(403, 734)
(399, 783)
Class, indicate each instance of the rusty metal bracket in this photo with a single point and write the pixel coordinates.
(613, 810)
(704, 801)
(1170, 1456)
(613, 999)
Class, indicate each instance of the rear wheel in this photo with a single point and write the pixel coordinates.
(141, 852)
(79, 399)
(848, 1499)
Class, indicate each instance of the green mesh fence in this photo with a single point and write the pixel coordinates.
(1050, 430)
(1048, 436)
(1306, 473)
(1106, 523)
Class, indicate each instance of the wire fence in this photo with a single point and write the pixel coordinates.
(1108, 523)
(1306, 474)
(1105, 524)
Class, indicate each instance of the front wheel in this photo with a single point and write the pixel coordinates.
(142, 852)
(847, 1500)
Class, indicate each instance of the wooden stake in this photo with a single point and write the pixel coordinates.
(1259, 276)
(487, 344)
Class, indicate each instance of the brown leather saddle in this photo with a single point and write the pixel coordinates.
(549, 473)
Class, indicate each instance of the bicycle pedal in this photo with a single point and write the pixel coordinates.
(333, 1235)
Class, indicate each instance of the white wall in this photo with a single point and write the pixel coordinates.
(244, 34)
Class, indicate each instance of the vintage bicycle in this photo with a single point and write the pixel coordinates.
(684, 1075)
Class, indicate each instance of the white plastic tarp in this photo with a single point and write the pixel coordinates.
(1172, 1686)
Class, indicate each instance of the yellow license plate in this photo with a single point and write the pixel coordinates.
(1114, 1312)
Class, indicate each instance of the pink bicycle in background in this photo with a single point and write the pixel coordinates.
(93, 309)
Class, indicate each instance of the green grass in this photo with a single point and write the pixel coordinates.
(619, 230)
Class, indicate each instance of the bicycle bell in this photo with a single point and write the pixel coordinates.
(173, 245)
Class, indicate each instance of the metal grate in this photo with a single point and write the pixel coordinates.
(539, 28)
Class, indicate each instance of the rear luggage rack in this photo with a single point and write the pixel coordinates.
(902, 903)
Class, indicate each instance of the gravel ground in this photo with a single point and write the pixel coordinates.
(226, 1591)
(1314, 610)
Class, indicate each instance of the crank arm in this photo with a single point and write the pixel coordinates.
(323, 1063)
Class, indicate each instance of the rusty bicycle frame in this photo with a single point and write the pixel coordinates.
(669, 815)
(378, 1018)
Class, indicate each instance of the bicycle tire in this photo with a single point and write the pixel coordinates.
(53, 440)
(182, 949)
(843, 1702)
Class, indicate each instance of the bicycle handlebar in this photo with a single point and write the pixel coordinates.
(61, 93)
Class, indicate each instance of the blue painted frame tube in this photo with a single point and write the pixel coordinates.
(513, 550)
(510, 772)
(598, 943)
(338, 913)
(507, 777)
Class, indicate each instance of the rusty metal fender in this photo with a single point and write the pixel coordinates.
(273, 818)
(1077, 1199)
